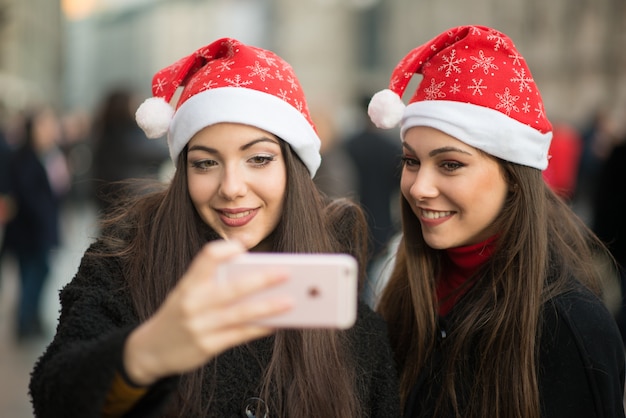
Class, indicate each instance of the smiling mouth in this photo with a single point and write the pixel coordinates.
(237, 215)
(431, 214)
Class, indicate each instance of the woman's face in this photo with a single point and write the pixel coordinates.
(237, 180)
(454, 190)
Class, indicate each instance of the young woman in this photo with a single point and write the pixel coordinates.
(145, 330)
(493, 303)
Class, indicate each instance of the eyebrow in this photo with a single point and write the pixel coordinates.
(441, 150)
(242, 148)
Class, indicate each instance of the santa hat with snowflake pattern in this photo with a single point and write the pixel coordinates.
(227, 81)
(477, 88)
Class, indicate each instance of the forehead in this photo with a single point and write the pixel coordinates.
(228, 134)
(425, 138)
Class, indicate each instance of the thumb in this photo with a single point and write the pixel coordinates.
(204, 264)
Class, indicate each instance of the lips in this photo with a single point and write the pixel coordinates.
(236, 217)
(432, 214)
(434, 217)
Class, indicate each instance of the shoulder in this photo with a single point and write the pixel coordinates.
(97, 272)
(369, 334)
(583, 313)
(581, 357)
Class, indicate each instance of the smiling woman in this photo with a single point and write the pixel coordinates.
(147, 330)
(493, 303)
(237, 179)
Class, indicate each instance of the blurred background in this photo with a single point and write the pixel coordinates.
(91, 62)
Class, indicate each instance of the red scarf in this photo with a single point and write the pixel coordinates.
(459, 265)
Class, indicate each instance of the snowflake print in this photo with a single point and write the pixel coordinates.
(225, 65)
(393, 83)
(298, 105)
(160, 84)
(455, 88)
(517, 58)
(204, 53)
(191, 83)
(526, 107)
(477, 87)
(507, 101)
(486, 63)
(268, 59)
(279, 76)
(500, 41)
(293, 83)
(230, 49)
(434, 92)
(177, 66)
(522, 79)
(238, 82)
(283, 94)
(475, 31)
(206, 70)
(451, 63)
(540, 112)
(208, 85)
(257, 70)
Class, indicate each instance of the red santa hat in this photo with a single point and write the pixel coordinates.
(477, 88)
(227, 81)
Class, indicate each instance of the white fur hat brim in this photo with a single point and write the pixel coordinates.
(248, 107)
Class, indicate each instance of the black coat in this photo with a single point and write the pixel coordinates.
(35, 226)
(581, 362)
(74, 374)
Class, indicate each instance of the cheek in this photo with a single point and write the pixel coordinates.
(200, 189)
(494, 192)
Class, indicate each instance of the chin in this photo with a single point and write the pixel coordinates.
(437, 244)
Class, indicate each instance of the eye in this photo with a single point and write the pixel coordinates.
(261, 160)
(203, 165)
(409, 161)
(451, 165)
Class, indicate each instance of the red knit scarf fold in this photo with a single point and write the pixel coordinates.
(459, 264)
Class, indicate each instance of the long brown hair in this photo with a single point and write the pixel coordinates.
(542, 244)
(311, 372)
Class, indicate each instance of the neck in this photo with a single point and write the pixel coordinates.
(459, 265)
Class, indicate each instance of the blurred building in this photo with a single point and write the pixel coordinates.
(339, 48)
(30, 52)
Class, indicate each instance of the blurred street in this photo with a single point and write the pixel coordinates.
(16, 360)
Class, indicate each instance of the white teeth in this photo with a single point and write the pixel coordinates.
(237, 215)
(434, 215)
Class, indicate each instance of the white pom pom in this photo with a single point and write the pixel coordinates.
(154, 116)
(386, 109)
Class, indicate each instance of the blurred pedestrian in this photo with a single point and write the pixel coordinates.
(597, 136)
(376, 159)
(5, 202)
(120, 149)
(39, 179)
(494, 306)
(564, 154)
(336, 176)
(609, 221)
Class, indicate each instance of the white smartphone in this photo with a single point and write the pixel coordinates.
(323, 287)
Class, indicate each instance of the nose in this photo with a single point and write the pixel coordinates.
(233, 183)
(422, 185)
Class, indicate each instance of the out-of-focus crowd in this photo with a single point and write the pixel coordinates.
(49, 159)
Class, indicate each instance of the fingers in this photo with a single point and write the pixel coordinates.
(204, 264)
(202, 317)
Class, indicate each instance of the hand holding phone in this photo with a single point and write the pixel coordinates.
(323, 287)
